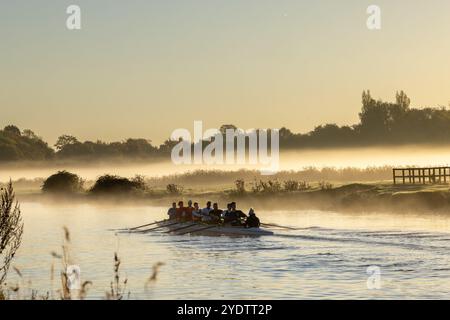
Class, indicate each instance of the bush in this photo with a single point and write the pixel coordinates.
(294, 185)
(63, 182)
(240, 186)
(174, 189)
(116, 184)
(323, 185)
(270, 186)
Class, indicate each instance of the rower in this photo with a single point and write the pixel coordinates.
(189, 210)
(197, 214)
(240, 216)
(205, 213)
(234, 216)
(252, 220)
(206, 210)
(181, 211)
(215, 213)
(172, 212)
(227, 214)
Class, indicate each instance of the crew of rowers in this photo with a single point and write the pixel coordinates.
(213, 215)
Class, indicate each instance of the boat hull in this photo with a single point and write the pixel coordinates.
(204, 229)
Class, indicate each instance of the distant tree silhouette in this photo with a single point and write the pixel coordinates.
(64, 141)
(381, 123)
(12, 130)
(27, 146)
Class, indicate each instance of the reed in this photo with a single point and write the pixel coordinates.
(11, 229)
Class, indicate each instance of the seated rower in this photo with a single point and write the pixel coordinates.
(205, 213)
(181, 211)
(252, 220)
(188, 211)
(240, 216)
(233, 216)
(206, 210)
(215, 214)
(197, 213)
(172, 212)
(227, 215)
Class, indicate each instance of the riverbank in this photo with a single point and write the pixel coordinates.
(354, 197)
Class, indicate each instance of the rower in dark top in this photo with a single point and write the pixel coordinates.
(252, 220)
(215, 213)
(234, 216)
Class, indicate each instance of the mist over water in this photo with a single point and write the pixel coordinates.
(289, 160)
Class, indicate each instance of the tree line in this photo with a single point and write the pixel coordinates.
(381, 123)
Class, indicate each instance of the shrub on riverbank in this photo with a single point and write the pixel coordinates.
(174, 189)
(63, 182)
(110, 184)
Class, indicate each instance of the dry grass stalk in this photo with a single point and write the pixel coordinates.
(11, 229)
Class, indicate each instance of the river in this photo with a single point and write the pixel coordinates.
(327, 258)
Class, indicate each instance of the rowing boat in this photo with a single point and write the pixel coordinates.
(206, 229)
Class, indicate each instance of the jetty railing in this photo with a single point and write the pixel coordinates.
(421, 175)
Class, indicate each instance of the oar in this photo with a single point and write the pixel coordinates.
(149, 224)
(278, 226)
(158, 227)
(185, 227)
(134, 228)
(198, 230)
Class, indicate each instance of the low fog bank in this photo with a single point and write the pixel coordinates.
(345, 161)
(214, 180)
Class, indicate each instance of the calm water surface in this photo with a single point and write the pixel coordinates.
(327, 258)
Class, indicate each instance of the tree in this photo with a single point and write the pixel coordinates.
(13, 130)
(64, 141)
(374, 117)
(30, 134)
(402, 100)
(223, 129)
(11, 229)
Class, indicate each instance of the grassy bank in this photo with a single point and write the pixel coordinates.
(354, 197)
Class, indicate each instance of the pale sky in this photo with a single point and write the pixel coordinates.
(143, 68)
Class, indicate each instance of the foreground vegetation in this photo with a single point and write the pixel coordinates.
(381, 123)
(11, 229)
